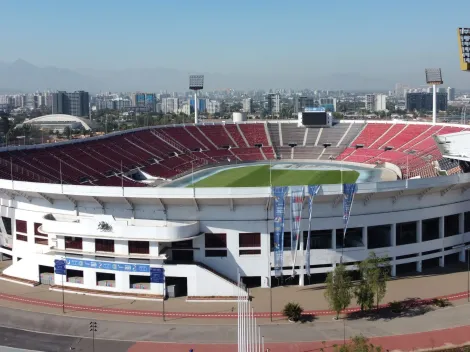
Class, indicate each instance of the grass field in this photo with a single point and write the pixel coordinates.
(258, 176)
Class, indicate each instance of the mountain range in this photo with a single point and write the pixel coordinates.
(22, 76)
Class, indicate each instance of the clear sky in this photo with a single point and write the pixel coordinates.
(263, 36)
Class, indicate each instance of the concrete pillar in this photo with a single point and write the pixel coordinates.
(419, 266)
(393, 235)
(364, 236)
(393, 272)
(461, 223)
(419, 231)
(462, 255)
(441, 261)
(441, 227)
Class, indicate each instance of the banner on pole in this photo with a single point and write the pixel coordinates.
(312, 192)
(349, 190)
(296, 205)
(279, 194)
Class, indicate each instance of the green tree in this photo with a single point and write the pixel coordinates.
(364, 294)
(374, 276)
(338, 289)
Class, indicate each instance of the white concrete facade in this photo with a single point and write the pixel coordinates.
(165, 216)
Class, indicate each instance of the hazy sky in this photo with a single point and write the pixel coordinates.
(372, 37)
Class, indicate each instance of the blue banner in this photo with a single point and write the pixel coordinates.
(349, 189)
(296, 205)
(312, 191)
(279, 194)
(93, 264)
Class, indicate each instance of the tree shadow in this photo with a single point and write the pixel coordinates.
(307, 318)
(410, 307)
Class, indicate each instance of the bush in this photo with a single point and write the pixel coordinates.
(396, 306)
(293, 311)
(441, 302)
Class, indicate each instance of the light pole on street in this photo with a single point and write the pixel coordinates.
(93, 329)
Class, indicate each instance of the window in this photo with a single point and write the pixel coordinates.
(7, 224)
(451, 225)
(250, 242)
(102, 245)
(287, 241)
(20, 237)
(43, 241)
(379, 236)
(352, 239)
(215, 240)
(406, 233)
(466, 221)
(140, 247)
(36, 232)
(73, 243)
(319, 239)
(429, 229)
(21, 226)
(216, 244)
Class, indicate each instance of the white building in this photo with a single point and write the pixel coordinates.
(276, 103)
(212, 106)
(247, 105)
(376, 102)
(170, 105)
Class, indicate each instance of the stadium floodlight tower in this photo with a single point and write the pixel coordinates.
(464, 48)
(196, 82)
(434, 77)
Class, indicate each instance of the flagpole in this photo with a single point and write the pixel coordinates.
(122, 179)
(259, 339)
(238, 310)
(60, 171)
(262, 343)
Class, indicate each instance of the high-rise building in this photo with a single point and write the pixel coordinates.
(248, 105)
(301, 102)
(328, 103)
(450, 94)
(75, 104)
(423, 101)
(170, 105)
(376, 102)
(213, 106)
(144, 101)
(201, 106)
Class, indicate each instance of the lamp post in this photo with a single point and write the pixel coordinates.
(93, 329)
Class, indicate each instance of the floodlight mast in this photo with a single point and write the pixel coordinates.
(434, 77)
(463, 35)
(196, 82)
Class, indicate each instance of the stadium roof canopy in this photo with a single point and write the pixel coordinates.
(454, 145)
(59, 122)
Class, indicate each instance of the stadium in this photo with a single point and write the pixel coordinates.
(186, 207)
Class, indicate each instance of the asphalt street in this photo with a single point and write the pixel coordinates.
(40, 342)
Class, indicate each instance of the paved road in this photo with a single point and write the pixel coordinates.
(20, 340)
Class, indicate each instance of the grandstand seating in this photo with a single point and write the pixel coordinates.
(169, 151)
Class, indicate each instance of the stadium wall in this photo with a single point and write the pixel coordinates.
(190, 213)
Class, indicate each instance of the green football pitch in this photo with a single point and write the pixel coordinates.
(258, 176)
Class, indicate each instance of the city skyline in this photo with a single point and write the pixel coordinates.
(237, 45)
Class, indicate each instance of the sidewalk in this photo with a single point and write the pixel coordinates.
(310, 297)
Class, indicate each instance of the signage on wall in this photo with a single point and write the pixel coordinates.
(59, 267)
(93, 264)
(157, 275)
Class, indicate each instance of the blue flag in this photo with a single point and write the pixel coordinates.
(279, 194)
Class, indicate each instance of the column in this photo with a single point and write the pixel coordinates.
(419, 266)
(441, 227)
(364, 236)
(333, 247)
(393, 244)
(419, 231)
(462, 234)
(441, 261)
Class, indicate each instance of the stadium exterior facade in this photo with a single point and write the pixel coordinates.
(112, 236)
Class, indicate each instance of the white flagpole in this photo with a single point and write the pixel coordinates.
(253, 339)
(244, 323)
(238, 311)
(256, 336)
(242, 319)
(262, 343)
(259, 339)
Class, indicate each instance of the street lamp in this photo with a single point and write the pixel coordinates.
(93, 329)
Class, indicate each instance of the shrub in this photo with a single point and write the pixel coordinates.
(441, 302)
(293, 311)
(396, 306)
